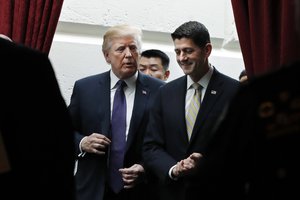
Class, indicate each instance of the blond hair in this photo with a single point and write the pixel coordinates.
(119, 31)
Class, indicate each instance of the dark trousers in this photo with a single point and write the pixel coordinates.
(110, 195)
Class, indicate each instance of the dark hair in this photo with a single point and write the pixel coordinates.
(193, 30)
(150, 53)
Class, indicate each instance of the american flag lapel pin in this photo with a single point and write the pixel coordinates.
(213, 92)
(144, 92)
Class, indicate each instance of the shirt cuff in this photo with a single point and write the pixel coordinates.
(170, 174)
(82, 153)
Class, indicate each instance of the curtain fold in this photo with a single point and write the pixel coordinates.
(30, 22)
(267, 33)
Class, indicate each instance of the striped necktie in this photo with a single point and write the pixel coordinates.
(192, 109)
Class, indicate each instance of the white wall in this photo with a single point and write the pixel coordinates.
(76, 49)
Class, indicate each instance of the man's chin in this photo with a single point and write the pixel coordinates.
(128, 72)
(186, 70)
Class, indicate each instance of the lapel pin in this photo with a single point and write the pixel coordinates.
(144, 92)
(213, 92)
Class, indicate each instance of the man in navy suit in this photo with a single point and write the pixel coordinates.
(169, 152)
(38, 139)
(91, 110)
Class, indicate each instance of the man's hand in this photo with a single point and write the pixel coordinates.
(95, 143)
(132, 175)
(186, 166)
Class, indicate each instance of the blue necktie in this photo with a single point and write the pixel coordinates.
(118, 138)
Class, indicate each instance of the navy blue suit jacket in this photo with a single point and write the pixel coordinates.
(90, 112)
(166, 141)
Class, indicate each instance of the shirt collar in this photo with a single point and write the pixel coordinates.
(203, 81)
(129, 81)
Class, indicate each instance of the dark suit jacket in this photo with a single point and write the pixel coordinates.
(255, 152)
(90, 111)
(166, 140)
(35, 126)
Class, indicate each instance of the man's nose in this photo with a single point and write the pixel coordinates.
(182, 56)
(148, 72)
(128, 52)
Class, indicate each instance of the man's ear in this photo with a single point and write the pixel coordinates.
(166, 75)
(106, 56)
(208, 48)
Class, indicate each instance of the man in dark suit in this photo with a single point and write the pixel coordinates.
(91, 108)
(38, 140)
(169, 151)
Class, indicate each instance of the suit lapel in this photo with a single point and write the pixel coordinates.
(140, 102)
(179, 106)
(103, 105)
(212, 94)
